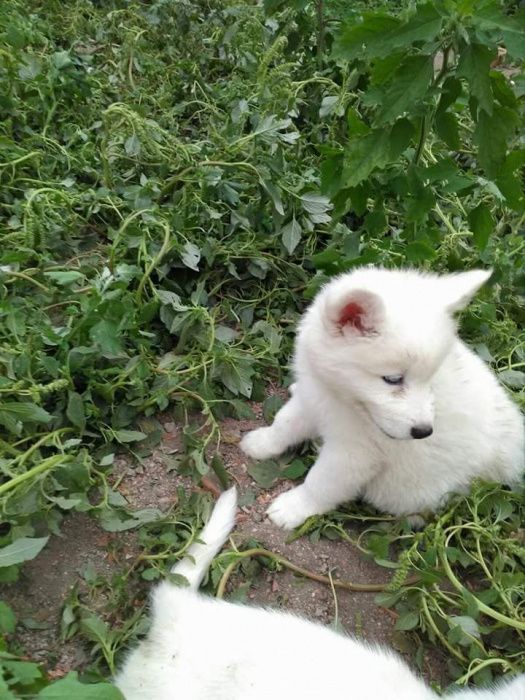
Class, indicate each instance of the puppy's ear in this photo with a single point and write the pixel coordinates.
(458, 289)
(356, 312)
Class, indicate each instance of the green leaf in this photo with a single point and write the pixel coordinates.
(64, 278)
(400, 137)
(502, 90)
(467, 624)
(25, 672)
(513, 378)
(264, 473)
(25, 412)
(291, 235)
(447, 129)
(237, 378)
(7, 619)
(70, 688)
(191, 256)
(450, 91)
(317, 206)
(75, 410)
(408, 620)
(295, 469)
(363, 155)
(492, 133)
(132, 146)
(474, 66)
(380, 34)
(275, 196)
(23, 549)
(126, 436)
(105, 334)
(423, 25)
(407, 87)
(270, 407)
(419, 251)
(509, 181)
(488, 17)
(481, 224)
(367, 37)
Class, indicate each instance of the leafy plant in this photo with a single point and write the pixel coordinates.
(166, 207)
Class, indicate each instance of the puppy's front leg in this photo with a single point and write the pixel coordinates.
(291, 425)
(332, 480)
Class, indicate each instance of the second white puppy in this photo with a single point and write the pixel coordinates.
(199, 648)
(379, 367)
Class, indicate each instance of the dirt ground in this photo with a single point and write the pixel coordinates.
(46, 582)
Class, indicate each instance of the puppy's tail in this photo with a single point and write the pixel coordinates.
(200, 554)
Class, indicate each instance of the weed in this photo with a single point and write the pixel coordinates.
(176, 180)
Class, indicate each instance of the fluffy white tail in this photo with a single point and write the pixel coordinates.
(200, 554)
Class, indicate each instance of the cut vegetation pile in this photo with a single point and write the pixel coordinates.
(177, 178)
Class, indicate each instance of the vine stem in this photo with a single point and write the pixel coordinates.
(482, 607)
(336, 583)
(45, 465)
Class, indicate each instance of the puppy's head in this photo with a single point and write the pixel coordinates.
(378, 337)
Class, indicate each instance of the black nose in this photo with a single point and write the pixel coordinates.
(419, 432)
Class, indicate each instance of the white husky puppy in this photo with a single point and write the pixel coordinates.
(199, 648)
(378, 367)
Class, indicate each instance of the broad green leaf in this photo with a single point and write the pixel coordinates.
(367, 37)
(129, 435)
(70, 688)
(481, 224)
(191, 256)
(237, 377)
(25, 672)
(106, 335)
(265, 473)
(474, 66)
(275, 196)
(113, 520)
(423, 25)
(407, 620)
(75, 410)
(64, 278)
(363, 155)
(447, 129)
(270, 407)
(7, 619)
(400, 137)
(26, 412)
(509, 180)
(419, 251)
(513, 378)
(502, 90)
(132, 146)
(407, 88)
(450, 91)
(505, 29)
(23, 549)
(291, 235)
(492, 133)
(380, 34)
(295, 469)
(317, 206)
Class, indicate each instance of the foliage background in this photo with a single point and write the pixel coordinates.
(177, 179)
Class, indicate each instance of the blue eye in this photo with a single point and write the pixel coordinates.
(394, 379)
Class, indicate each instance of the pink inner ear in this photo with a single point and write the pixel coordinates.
(353, 314)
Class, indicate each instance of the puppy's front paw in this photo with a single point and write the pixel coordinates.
(291, 509)
(259, 444)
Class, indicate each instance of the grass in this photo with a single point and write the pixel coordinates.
(174, 189)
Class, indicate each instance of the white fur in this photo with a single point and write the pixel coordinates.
(406, 327)
(199, 648)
